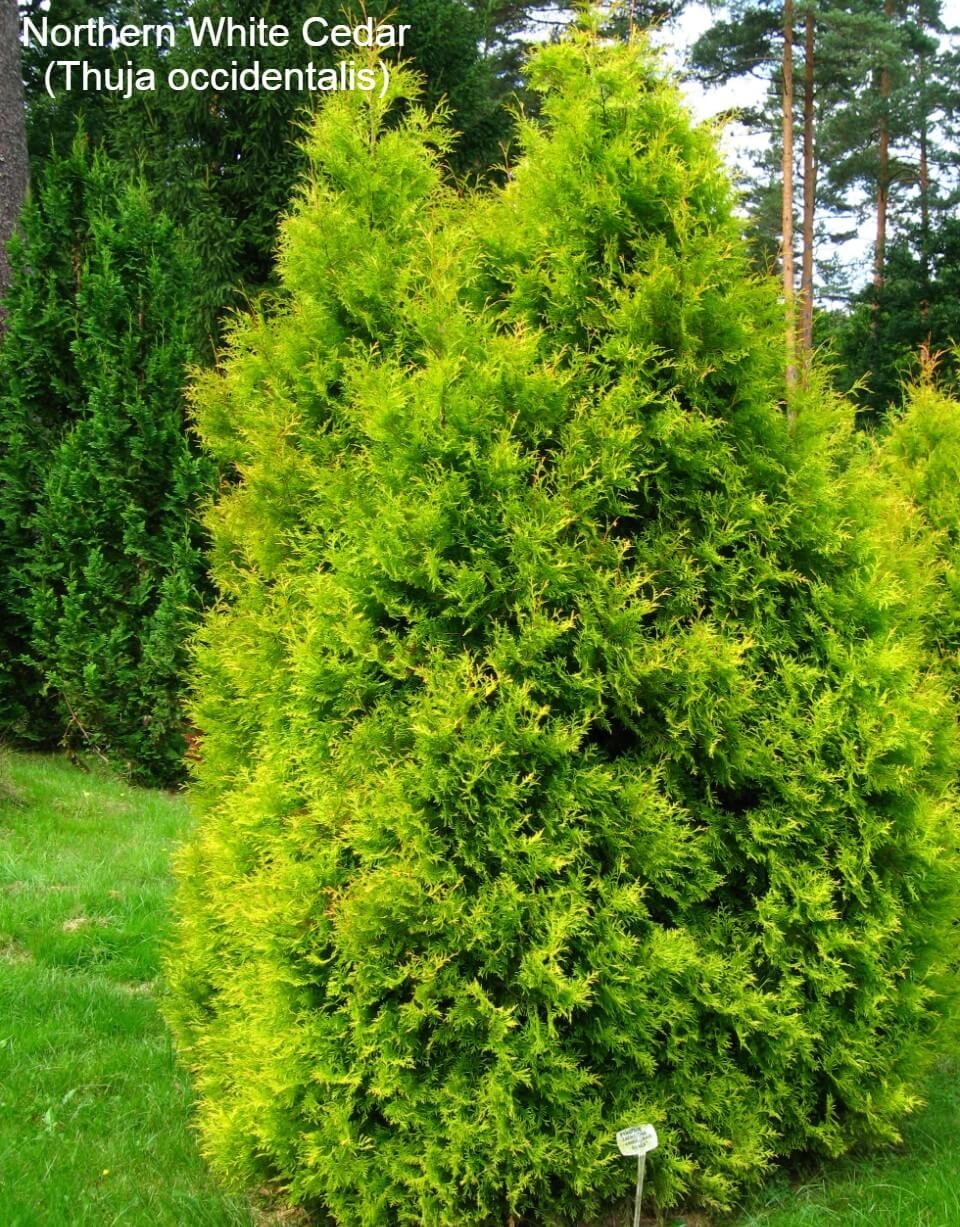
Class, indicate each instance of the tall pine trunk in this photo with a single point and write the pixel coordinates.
(809, 189)
(924, 174)
(883, 168)
(13, 135)
(787, 215)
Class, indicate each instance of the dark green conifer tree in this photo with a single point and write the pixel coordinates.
(877, 343)
(571, 756)
(115, 568)
(40, 396)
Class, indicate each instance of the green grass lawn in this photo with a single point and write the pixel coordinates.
(93, 1112)
(914, 1185)
(917, 1185)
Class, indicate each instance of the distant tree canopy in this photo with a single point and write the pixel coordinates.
(223, 162)
(877, 344)
(875, 105)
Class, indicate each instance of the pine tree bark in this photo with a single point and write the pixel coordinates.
(787, 214)
(13, 135)
(809, 189)
(883, 169)
(924, 176)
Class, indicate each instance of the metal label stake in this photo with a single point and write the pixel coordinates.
(638, 1140)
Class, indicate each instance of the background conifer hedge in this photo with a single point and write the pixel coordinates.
(572, 756)
(39, 398)
(103, 575)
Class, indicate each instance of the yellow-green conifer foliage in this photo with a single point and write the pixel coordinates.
(571, 758)
(921, 452)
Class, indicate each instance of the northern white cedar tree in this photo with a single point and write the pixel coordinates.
(571, 754)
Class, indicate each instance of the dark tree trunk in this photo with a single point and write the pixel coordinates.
(13, 135)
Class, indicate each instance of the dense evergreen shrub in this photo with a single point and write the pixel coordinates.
(115, 567)
(571, 756)
(39, 398)
(921, 451)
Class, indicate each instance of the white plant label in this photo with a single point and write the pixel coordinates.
(637, 1140)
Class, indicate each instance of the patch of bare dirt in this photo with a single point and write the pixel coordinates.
(76, 923)
(17, 886)
(13, 952)
(142, 988)
(11, 795)
(281, 1216)
(622, 1216)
